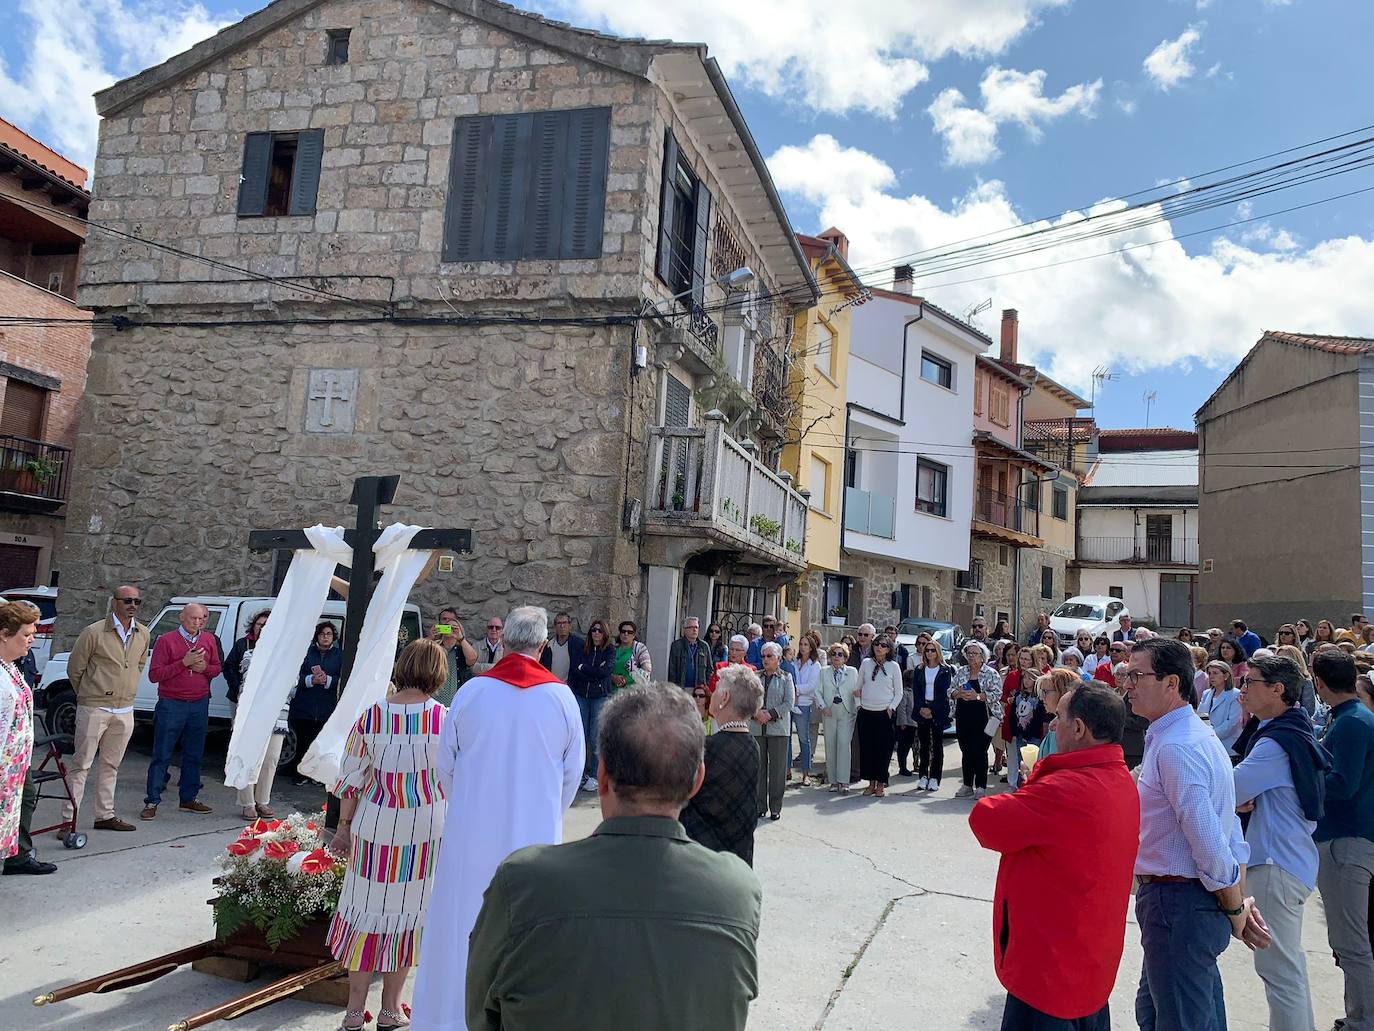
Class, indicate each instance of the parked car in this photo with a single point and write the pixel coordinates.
(1095, 613)
(949, 636)
(46, 600)
(229, 618)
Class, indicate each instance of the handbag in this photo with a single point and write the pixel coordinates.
(993, 727)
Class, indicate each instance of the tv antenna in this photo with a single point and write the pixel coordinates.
(973, 310)
(1101, 374)
(1149, 399)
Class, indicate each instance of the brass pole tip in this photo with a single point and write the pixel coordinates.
(44, 999)
(180, 1025)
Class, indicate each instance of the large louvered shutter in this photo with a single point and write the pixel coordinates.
(508, 176)
(257, 156)
(664, 264)
(544, 208)
(463, 218)
(305, 181)
(584, 183)
(702, 206)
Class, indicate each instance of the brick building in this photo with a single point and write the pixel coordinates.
(45, 340)
(500, 254)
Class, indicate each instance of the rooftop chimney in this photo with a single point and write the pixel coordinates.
(840, 241)
(901, 279)
(1009, 328)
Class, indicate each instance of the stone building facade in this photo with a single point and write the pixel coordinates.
(439, 228)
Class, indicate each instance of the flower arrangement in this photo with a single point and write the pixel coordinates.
(278, 876)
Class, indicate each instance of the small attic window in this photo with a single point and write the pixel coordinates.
(336, 48)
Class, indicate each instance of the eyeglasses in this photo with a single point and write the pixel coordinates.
(130, 601)
(1133, 676)
(932, 651)
(865, 635)
(698, 695)
(493, 626)
(1253, 682)
(627, 630)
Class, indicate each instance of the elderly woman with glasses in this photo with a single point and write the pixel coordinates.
(735, 656)
(976, 691)
(835, 696)
(930, 685)
(772, 729)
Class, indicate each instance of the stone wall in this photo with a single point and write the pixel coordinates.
(1032, 560)
(875, 579)
(193, 436)
(999, 584)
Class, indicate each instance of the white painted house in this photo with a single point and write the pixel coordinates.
(909, 469)
(1138, 524)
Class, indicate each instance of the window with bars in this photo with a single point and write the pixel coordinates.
(528, 186)
(932, 485)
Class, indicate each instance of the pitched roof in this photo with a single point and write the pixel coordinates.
(821, 250)
(1154, 438)
(917, 299)
(1142, 468)
(1338, 345)
(17, 141)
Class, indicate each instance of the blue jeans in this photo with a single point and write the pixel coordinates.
(590, 708)
(173, 720)
(1182, 932)
(802, 725)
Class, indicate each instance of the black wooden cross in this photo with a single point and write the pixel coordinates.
(370, 493)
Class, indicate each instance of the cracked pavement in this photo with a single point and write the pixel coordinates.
(877, 913)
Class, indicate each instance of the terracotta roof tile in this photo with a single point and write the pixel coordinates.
(1331, 344)
(16, 139)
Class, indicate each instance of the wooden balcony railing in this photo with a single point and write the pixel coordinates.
(1005, 510)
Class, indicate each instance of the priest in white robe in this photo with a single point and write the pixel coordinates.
(510, 761)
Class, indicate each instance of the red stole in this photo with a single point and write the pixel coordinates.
(520, 671)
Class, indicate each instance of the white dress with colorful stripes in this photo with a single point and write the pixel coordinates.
(388, 765)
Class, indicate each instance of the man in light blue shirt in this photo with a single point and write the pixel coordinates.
(1191, 863)
(1283, 857)
(770, 630)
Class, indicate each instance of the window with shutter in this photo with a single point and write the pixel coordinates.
(701, 210)
(684, 225)
(281, 173)
(22, 412)
(677, 406)
(528, 186)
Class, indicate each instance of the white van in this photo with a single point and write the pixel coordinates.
(1095, 613)
(229, 618)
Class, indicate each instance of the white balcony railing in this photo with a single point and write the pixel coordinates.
(1162, 551)
(704, 476)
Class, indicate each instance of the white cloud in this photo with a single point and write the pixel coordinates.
(1171, 62)
(75, 48)
(970, 133)
(863, 56)
(1147, 308)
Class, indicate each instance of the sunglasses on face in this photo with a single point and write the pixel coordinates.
(493, 626)
(699, 697)
(130, 601)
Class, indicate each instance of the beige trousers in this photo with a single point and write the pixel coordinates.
(260, 791)
(101, 738)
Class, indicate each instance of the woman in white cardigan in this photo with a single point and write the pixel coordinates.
(879, 692)
(835, 696)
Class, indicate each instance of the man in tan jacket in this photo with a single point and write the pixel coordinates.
(104, 668)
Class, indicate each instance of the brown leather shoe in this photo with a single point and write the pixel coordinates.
(114, 823)
(149, 813)
(195, 806)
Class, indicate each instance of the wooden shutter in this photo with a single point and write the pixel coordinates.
(22, 414)
(677, 407)
(664, 264)
(544, 207)
(702, 204)
(305, 180)
(584, 184)
(257, 157)
(463, 216)
(507, 175)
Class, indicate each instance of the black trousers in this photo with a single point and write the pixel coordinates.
(28, 803)
(875, 745)
(1021, 1016)
(306, 731)
(970, 718)
(930, 749)
(906, 747)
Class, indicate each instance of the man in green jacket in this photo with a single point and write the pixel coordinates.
(638, 898)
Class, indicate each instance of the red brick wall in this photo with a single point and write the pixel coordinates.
(57, 350)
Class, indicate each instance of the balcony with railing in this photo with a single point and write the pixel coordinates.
(33, 474)
(870, 513)
(703, 482)
(1065, 442)
(1147, 551)
(1005, 517)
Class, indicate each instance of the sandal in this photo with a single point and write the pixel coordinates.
(359, 1015)
(266, 812)
(248, 812)
(397, 1020)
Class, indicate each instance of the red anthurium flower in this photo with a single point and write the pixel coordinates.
(264, 826)
(244, 847)
(280, 849)
(312, 826)
(318, 861)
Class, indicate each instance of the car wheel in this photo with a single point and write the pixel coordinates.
(60, 716)
(288, 750)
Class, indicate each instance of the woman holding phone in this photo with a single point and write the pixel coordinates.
(315, 692)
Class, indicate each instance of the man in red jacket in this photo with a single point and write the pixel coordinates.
(183, 664)
(1068, 840)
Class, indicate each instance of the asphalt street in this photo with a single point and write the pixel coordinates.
(877, 913)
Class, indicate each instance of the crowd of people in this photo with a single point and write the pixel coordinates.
(1222, 782)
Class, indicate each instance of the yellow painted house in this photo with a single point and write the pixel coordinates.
(814, 453)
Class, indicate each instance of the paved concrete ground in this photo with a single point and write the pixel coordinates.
(876, 914)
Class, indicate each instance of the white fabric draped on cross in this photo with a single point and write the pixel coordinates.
(372, 666)
(281, 650)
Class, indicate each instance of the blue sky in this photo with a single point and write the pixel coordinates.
(1060, 104)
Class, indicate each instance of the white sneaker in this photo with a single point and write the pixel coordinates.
(589, 784)
(964, 791)
(921, 784)
(933, 785)
(979, 792)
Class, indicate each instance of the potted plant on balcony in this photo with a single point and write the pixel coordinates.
(837, 615)
(766, 526)
(43, 468)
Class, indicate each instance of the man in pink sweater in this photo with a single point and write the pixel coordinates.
(182, 666)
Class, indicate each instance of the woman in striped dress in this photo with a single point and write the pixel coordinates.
(391, 824)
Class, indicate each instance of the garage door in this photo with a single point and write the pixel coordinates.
(18, 566)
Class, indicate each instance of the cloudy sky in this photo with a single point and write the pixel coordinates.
(915, 124)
